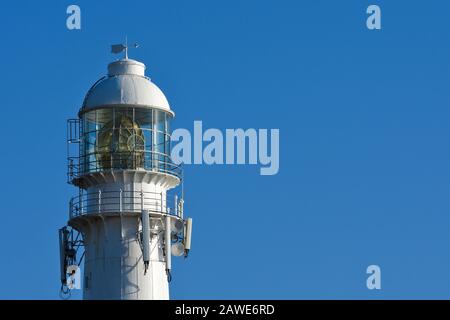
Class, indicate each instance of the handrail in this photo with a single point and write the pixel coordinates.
(147, 160)
(124, 202)
(165, 133)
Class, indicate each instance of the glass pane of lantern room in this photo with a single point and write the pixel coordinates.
(105, 122)
(104, 117)
(89, 137)
(160, 129)
(144, 119)
(160, 121)
(93, 121)
(167, 139)
(117, 138)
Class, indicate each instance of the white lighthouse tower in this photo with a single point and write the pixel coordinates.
(128, 216)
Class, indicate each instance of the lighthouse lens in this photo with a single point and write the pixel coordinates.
(120, 144)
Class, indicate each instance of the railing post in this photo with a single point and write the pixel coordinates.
(120, 200)
(142, 200)
(99, 201)
(80, 199)
(70, 208)
(162, 203)
(70, 168)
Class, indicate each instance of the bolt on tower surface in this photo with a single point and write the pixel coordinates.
(127, 215)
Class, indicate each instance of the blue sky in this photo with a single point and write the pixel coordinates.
(364, 140)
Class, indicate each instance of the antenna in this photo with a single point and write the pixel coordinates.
(145, 220)
(177, 249)
(126, 47)
(177, 226)
(167, 245)
(188, 236)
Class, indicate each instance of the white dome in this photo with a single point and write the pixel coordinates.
(125, 84)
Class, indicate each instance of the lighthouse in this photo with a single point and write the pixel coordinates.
(127, 220)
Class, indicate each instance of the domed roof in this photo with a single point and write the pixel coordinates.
(125, 84)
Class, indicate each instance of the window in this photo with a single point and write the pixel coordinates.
(119, 138)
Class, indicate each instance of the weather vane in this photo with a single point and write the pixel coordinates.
(118, 48)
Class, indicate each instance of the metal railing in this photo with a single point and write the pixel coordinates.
(125, 202)
(144, 160)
